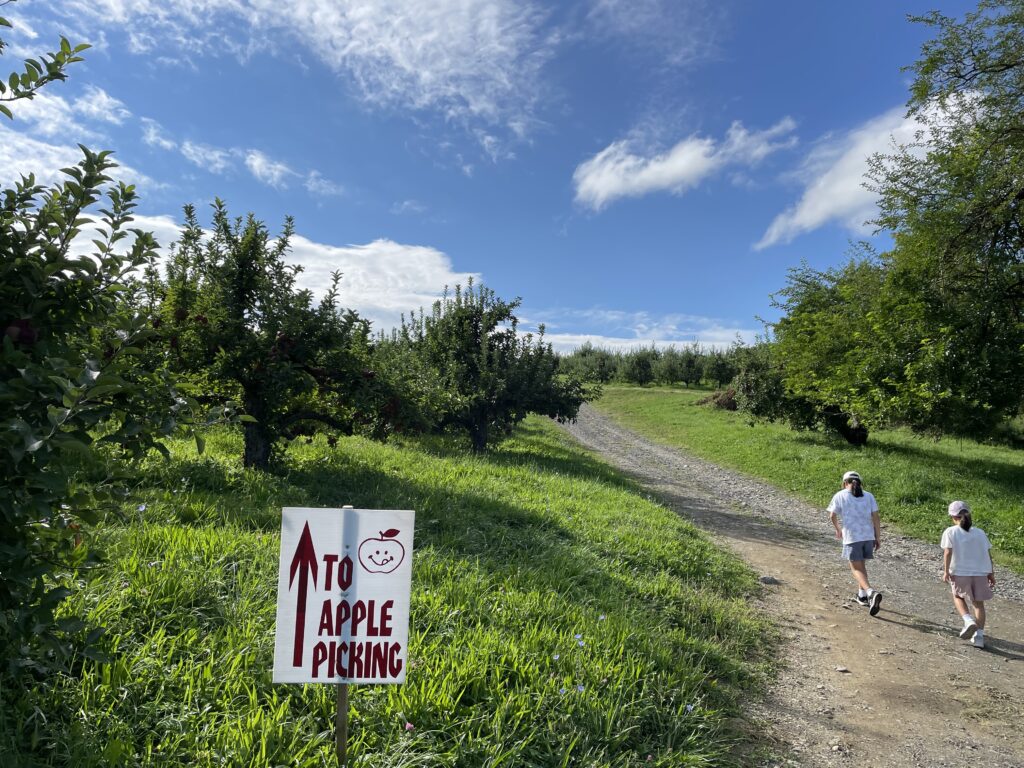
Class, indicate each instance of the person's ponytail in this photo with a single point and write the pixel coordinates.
(856, 490)
(965, 520)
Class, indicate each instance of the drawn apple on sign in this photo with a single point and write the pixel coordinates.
(382, 554)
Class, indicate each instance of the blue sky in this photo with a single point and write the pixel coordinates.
(636, 170)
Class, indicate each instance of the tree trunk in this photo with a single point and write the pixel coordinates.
(849, 427)
(478, 434)
(258, 446)
(259, 441)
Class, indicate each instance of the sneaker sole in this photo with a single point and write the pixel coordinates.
(968, 630)
(876, 603)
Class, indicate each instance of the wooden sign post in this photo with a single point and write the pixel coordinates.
(343, 600)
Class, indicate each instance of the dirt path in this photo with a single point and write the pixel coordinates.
(899, 689)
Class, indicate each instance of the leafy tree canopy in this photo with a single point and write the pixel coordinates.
(493, 376)
(234, 319)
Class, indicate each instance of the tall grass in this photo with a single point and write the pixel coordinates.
(559, 618)
(914, 478)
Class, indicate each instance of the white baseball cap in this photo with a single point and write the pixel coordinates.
(851, 476)
(957, 508)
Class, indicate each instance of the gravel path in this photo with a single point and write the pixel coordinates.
(899, 689)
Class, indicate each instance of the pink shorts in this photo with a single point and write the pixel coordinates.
(974, 587)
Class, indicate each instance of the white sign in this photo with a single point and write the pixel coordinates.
(343, 595)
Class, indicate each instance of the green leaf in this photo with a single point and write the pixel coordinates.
(70, 445)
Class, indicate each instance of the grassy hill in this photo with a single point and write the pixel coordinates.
(559, 617)
(913, 478)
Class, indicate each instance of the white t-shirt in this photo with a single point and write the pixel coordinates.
(855, 515)
(970, 551)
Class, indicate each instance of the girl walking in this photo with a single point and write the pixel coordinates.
(861, 531)
(967, 568)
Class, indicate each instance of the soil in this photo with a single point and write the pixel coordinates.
(898, 689)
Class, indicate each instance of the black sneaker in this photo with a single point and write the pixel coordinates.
(876, 603)
(863, 600)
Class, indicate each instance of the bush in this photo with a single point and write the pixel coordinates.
(78, 405)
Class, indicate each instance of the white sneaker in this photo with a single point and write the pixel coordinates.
(970, 627)
(978, 641)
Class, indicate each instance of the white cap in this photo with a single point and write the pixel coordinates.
(957, 508)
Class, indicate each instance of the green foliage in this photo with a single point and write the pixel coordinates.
(37, 72)
(719, 368)
(955, 276)
(688, 365)
(589, 363)
(491, 375)
(76, 405)
(669, 367)
(929, 334)
(233, 318)
(637, 365)
(517, 551)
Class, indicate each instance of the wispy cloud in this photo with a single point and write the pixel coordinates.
(319, 186)
(53, 116)
(266, 170)
(212, 159)
(672, 33)
(621, 170)
(414, 207)
(833, 179)
(153, 135)
(473, 62)
(219, 160)
(621, 329)
(21, 154)
(97, 104)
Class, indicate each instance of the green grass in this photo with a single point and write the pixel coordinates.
(913, 478)
(559, 618)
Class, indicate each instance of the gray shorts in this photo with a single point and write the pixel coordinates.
(859, 550)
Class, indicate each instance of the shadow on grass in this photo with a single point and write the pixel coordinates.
(562, 459)
(1007, 475)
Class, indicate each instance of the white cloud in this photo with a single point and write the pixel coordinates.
(52, 116)
(316, 184)
(471, 61)
(23, 154)
(164, 228)
(620, 171)
(833, 176)
(212, 159)
(266, 170)
(414, 207)
(674, 33)
(153, 135)
(97, 104)
(382, 279)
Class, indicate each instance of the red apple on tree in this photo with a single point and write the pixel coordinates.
(382, 554)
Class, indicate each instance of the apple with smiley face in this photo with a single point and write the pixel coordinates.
(382, 554)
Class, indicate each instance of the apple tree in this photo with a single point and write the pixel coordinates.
(235, 322)
(492, 375)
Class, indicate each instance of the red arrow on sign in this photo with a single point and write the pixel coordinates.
(304, 562)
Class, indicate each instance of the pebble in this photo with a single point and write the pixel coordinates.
(842, 669)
